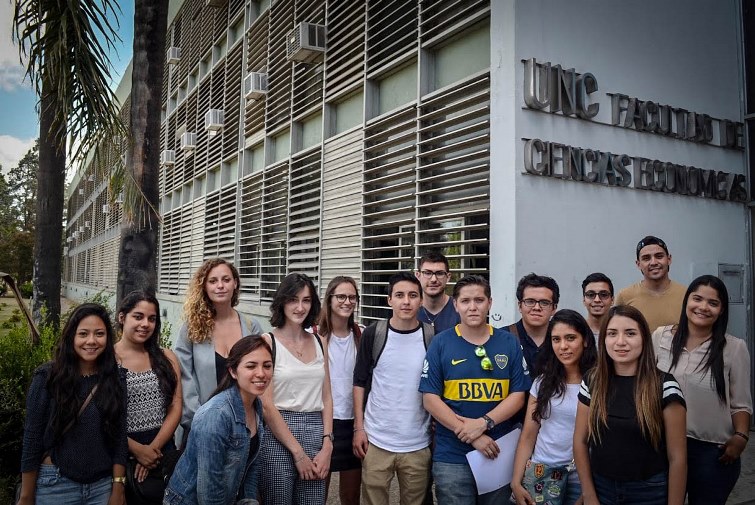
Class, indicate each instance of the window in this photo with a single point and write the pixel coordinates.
(349, 112)
(465, 54)
(397, 89)
(311, 131)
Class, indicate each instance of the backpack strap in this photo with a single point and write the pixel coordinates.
(378, 344)
(272, 345)
(428, 332)
(513, 329)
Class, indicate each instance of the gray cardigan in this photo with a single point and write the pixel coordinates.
(198, 377)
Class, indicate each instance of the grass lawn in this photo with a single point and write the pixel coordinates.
(7, 306)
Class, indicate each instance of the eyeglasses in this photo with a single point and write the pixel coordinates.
(531, 302)
(603, 295)
(342, 298)
(485, 362)
(439, 274)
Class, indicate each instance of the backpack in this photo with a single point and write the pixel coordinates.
(381, 335)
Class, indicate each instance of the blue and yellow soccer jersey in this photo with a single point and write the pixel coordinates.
(453, 371)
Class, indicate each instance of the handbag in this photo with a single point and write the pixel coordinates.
(546, 484)
(151, 490)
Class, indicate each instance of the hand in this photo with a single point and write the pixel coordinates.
(360, 444)
(589, 500)
(486, 446)
(117, 495)
(470, 429)
(140, 472)
(25, 500)
(732, 449)
(146, 455)
(322, 459)
(305, 467)
(521, 495)
(580, 501)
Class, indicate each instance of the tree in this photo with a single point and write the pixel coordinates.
(137, 258)
(70, 69)
(23, 184)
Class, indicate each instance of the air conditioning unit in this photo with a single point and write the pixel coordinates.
(87, 224)
(106, 208)
(168, 157)
(90, 178)
(213, 121)
(255, 85)
(306, 43)
(188, 141)
(81, 191)
(173, 55)
(215, 3)
(119, 198)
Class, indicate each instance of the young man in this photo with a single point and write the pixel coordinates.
(473, 382)
(437, 307)
(391, 427)
(537, 297)
(656, 295)
(597, 296)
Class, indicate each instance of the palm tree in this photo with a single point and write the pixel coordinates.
(137, 258)
(70, 69)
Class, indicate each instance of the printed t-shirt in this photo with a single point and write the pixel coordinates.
(623, 453)
(453, 371)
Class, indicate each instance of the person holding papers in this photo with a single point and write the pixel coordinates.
(473, 381)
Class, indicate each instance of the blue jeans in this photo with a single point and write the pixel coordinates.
(652, 491)
(455, 484)
(708, 481)
(573, 489)
(54, 489)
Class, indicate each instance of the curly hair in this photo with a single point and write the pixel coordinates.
(64, 376)
(199, 312)
(166, 375)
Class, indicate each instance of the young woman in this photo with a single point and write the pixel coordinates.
(75, 433)
(548, 429)
(154, 391)
(342, 334)
(298, 406)
(220, 463)
(211, 328)
(713, 370)
(629, 441)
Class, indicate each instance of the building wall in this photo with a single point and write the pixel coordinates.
(685, 54)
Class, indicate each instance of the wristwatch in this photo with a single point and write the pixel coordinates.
(489, 423)
(119, 480)
(328, 435)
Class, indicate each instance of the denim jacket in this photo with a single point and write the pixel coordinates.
(216, 467)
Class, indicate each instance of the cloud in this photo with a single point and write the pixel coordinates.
(11, 70)
(12, 149)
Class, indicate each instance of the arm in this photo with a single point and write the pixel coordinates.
(173, 413)
(184, 352)
(322, 458)
(360, 443)
(442, 413)
(471, 429)
(28, 488)
(118, 491)
(582, 455)
(736, 444)
(740, 400)
(524, 449)
(675, 428)
(281, 431)
(37, 415)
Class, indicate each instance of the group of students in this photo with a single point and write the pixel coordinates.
(636, 417)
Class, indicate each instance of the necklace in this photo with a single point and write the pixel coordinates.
(428, 314)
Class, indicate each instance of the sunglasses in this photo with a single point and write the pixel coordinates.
(485, 361)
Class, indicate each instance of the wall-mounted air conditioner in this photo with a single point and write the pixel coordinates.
(213, 121)
(306, 43)
(173, 56)
(168, 157)
(255, 85)
(188, 141)
(81, 191)
(87, 224)
(106, 208)
(90, 178)
(119, 198)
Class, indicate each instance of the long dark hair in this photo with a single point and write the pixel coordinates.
(65, 374)
(287, 291)
(166, 375)
(715, 353)
(553, 372)
(246, 345)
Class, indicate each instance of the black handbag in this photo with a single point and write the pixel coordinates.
(151, 490)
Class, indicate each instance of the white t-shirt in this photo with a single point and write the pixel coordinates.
(342, 355)
(395, 419)
(555, 439)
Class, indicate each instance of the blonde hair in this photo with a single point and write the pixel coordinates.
(647, 384)
(199, 312)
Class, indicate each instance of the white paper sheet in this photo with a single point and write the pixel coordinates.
(492, 474)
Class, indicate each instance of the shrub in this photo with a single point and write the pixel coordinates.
(27, 289)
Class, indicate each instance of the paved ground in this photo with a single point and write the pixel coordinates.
(744, 492)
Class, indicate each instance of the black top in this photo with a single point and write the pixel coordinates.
(220, 364)
(530, 349)
(623, 453)
(84, 455)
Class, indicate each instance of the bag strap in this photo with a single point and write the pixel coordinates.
(84, 405)
(378, 343)
(513, 329)
(428, 332)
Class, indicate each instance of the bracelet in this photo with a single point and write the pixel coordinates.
(300, 458)
(119, 480)
(358, 429)
(743, 435)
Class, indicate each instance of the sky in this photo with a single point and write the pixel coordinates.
(19, 121)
